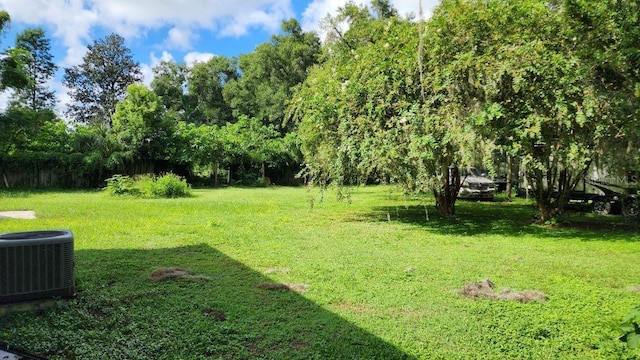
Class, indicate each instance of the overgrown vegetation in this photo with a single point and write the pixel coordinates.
(367, 279)
(409, 102)
(149, 186)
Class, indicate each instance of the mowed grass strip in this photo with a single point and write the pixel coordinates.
(287, 273)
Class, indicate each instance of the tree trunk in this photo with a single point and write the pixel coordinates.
(509, 177)
(546, 212)
(446, 197)
(214, 175)
(544, 206)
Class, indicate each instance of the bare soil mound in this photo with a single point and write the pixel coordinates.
(485, 289)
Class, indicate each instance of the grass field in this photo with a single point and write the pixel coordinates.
(295, 274)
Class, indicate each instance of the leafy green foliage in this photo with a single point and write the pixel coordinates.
(496, 75)
(101, 81)
(12, 70)
(121, 185)
(25, 129)
(141, 126)
(270, 73)
(605, 34)
(148, 186)
(169, 80)
(13, 73)
(164, 186)
(205, 84)
(631, 329)
(363, 116)
(40, 68)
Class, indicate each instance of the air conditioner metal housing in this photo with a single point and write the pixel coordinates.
(36, 265)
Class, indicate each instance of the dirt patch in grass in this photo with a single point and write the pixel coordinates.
(286, 287)
(28, 215)
(216, 315)
(174, 273)
(276, 271)
(635, 288)
(485, 289)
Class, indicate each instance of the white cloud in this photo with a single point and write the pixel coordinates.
(180, 38)
(269, 18)
(319, 9)
(5, 96)
(197, 57)
(147, 69)
(62, 94)
(73, 21)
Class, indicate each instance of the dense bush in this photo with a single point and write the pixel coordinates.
(149, 186)
(121, 185)
(166, 186)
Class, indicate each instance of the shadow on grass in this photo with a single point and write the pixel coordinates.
(121, 313)
(512, 219)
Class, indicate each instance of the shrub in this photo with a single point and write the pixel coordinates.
(169, 186)
(146, 184)
(149, 186)
(121, 185)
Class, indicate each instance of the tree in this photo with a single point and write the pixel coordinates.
(518, 70)
(141, 127)
(606, 39)
(12, 70)
(205, 84)
(248, 147)
(202, 148)
(14, 129)
(365, 116)
(383, 9)
(169, 82)
(271, 72)
(101, 81)
(353, 27)
(40, 68)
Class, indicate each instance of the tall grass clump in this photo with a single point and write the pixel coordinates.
(149, 186)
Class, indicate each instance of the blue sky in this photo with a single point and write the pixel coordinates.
(155, 30)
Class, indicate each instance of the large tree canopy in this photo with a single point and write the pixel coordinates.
(394, 103)
(205, 84)
(270, 73)
(96, 85)
(363, 117)
(40, 68)
(141, 127)
(530, 87)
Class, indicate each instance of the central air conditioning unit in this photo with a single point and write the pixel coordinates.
(36, 265)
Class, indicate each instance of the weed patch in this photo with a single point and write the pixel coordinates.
(172, 273)
(285, 287)
(485, 289)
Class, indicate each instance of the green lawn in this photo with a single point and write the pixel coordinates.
(363, 286)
